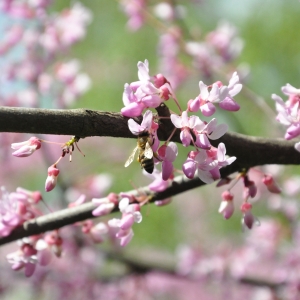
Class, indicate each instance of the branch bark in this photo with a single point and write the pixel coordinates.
(250, 152)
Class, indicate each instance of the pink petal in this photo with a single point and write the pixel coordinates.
(134, 109)
(229, 104)
(171, 151)
(202, 141)
(219, 131)
(189, 168)
(29, 269)
(126, 222)
(167, 169)
(185, 137)
(176, 120)
(208, 109)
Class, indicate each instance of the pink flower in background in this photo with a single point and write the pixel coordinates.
(134, 9)
(225, 41)
(25, 258)
(26, 148)
(99, 232)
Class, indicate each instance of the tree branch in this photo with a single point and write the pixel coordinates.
(250, 151)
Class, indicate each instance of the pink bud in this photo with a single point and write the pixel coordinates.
(26, 148)
(248, 218)
(126, 221)
(226, 207)
(250, 188)
(52, 178)
(271, 185)
(165, 92)
(227, 196)
(194, 105)
(159, 80)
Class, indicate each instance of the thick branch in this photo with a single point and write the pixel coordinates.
(250, 151)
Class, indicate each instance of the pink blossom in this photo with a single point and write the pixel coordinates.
(144, 94)
(11, 38)
(207, 163)
(26, 148)
(211, 131)
(146, 124)
(52, 178)
(224, 160)
(228, 92)
(168, 154)
(218, 93)
(204, 165)
(288, 112)
(32, 197)
(170, 64)
(130, 215)
(134, 10)
(199, 161)
(105, 205)
(25, 258)
(207, 98)
(185, 123)
(189, 167)
(225, 40)
(71, 25)
(158, 184)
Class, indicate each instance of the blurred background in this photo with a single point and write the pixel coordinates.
(108, 54)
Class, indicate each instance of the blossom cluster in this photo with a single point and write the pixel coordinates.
(151, 91)
(289, 112)
(15, 209)
(38, 77)
(209, 52)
